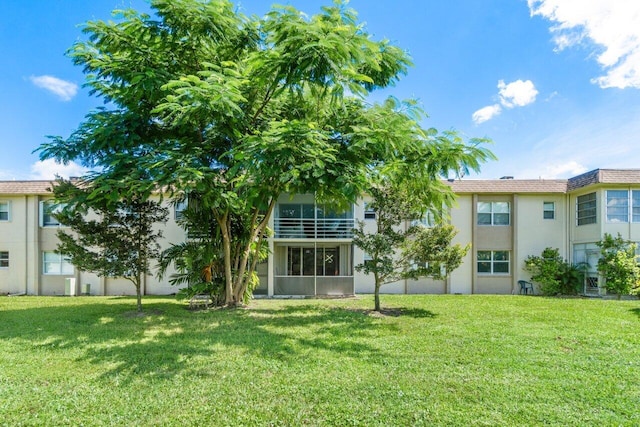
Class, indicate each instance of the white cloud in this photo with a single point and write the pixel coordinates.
(612, 25)
(563, 170)
(48, 169)
(61, 88)
(517, 94)
(514, 94)
(486, 113)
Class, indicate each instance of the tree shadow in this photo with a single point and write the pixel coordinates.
(416, 313)
(635, 311)
(161, 343)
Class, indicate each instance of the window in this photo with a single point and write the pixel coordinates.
(47, 209)
(4, 211)
(617, 206)
(548, 210)
(54, 263)
(303, 261)
(635, 206)
(586, 209)
(4, 259)
(493, 213)
(623, 206)
(178, 208)
(493, 262)
(369, 212)
(368, 260)
(428, 220)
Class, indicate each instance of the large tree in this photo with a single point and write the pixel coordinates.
(112, 239)
(239, 110)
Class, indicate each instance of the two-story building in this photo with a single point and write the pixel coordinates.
(312, 253)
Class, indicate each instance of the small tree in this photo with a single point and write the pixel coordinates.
(618, 265)
(554, 274)
(120, 242)
(404, 254)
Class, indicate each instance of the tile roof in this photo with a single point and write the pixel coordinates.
(25, 187)
(496, 186)
(605, 176)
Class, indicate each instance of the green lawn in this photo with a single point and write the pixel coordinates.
(445, 360)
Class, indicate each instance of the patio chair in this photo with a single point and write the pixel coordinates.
(525, 287)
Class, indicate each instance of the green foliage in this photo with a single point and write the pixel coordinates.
(554, 274)
(214, 289)
(238, 110)
(399, 253)
(110, 238)
(431, 253)
(618, 265)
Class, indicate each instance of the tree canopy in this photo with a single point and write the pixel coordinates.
(202, 100)
(112, 239)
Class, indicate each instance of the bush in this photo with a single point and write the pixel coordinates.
(215, 289)
(554, 274)
(618, 265)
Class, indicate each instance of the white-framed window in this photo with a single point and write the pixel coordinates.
(367, 260)
(493, 262)
(47, 209)
(5, 210)
(369, 212)
(549, 210)
(586, 209)
(178, 208)
(4, 259)
(55, 263)
(617, 206)
(428, 220)
(635, 206)
(623, 206)
(494, 213)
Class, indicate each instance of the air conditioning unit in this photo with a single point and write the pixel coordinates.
(70, 286)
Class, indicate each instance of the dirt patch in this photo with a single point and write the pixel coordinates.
(145, 313)
(385, 312)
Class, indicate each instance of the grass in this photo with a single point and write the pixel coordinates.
(444, 360)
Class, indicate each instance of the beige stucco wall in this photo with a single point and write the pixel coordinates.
(26, 241)
(462, 217)
(14, 237)
(534, 233)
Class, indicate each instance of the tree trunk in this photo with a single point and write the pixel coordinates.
(245, 271)
(226, 243)
(376, 294)
(138, 296)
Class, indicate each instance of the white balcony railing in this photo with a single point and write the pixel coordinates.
(293, 228)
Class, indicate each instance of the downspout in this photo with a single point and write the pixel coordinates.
(474, 242)
(26, 244)
(514, 244)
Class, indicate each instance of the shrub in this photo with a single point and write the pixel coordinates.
(618, 265)
(554, 274)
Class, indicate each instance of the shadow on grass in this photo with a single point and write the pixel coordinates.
(636, 311)
(162, 343)
(416, 313)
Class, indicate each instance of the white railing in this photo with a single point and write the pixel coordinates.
(291, 228)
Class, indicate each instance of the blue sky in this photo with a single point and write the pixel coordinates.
(554, 83)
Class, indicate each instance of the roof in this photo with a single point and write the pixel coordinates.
(605, 176)
(25, 187)
(497, 186)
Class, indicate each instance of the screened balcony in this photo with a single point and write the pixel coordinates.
(311, 221)
(311, 270)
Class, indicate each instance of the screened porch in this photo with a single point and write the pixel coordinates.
(313, 269)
